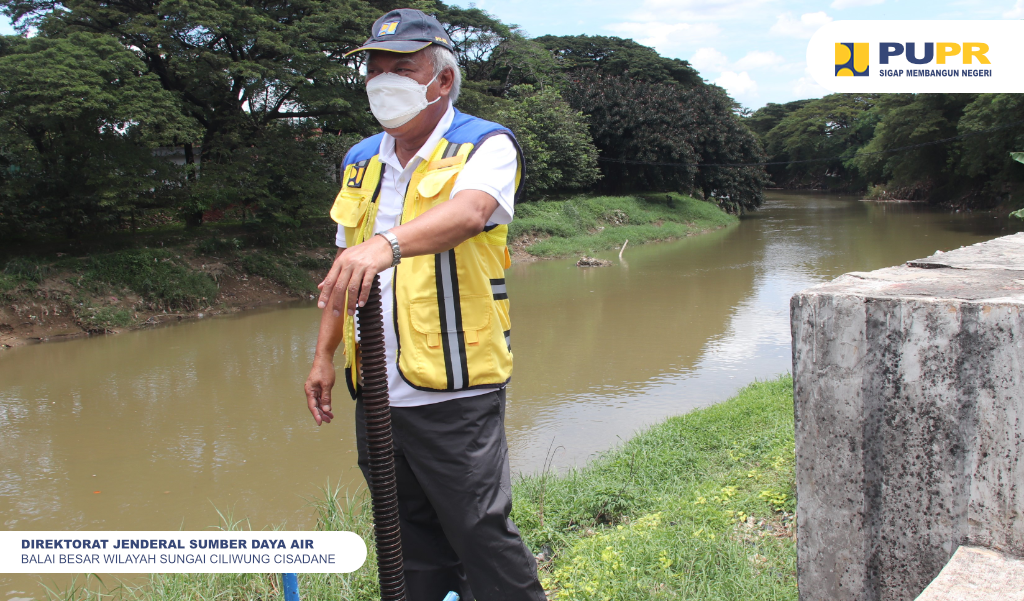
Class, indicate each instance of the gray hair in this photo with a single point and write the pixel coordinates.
(442, 58)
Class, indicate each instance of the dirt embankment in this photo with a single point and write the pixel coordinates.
(192, 275)
(60, 307)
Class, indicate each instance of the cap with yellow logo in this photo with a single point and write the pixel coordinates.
(405, 30)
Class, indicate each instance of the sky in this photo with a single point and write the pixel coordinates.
(755, 49)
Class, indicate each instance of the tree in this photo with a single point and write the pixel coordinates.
(984, 159)
(494, 55)
(653, 136)
(613, 56)
(928, 171)
(237, 66)
(559, 153)
(838, 125)
(79, 117)
(764, 119)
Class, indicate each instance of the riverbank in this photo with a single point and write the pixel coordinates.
(169, 273)
(698, 506)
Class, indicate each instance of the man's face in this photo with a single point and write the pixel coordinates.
(415, 66)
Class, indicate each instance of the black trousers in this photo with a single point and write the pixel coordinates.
(454, 500)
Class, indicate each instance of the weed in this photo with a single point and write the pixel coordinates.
(155, 275)
(272, 268)
(319, 263)
(107, 318)
(7, 284)
(218, 246)
(25, 269)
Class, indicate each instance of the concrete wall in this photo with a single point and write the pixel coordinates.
(909, 391)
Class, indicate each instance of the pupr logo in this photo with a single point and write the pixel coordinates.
(851, 59)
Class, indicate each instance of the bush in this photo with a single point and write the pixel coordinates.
(25, 269)
(218, 246)
(288, 276)
(109, 317)
(154, 275)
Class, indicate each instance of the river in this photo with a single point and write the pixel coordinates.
(160, 429)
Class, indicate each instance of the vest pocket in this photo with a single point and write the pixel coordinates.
(446, 332)
(434, 181)
(349, 207)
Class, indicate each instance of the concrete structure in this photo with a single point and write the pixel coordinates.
(909, 391)
(977, 574)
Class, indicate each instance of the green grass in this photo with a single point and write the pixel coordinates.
(155, 275)
(572, 227)
(280, 269)
(107, 318)
(698, 507)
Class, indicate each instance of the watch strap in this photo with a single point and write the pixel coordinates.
(396, 251)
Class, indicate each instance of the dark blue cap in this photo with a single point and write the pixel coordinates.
(405, 30)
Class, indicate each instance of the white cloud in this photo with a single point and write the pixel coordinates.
(709, 59)
(806, 87)
(737, 84)
(841, 4)
(804, 27)
(697, 10)
(1017, 12)
(665, 37)
(756, 59)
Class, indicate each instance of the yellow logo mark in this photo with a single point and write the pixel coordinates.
(388, 28)
(851, 59)
(355, 175)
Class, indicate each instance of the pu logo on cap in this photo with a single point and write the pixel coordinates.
(851, 59)
(388, 28)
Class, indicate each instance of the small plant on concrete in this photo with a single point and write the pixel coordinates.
(1019, 157)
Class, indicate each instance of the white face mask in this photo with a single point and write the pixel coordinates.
(395, 99)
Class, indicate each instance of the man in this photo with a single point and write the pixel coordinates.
(426, 205)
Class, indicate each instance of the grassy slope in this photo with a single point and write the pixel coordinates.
(118, 281)
(697, 507)
(590, 224)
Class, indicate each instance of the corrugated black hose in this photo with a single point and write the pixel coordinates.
(383, 488)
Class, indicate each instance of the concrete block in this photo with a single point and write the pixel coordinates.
(978, 574)
(909, 392)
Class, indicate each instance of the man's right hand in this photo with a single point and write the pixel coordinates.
(318, 390)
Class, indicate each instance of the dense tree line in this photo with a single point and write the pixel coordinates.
(945, 148)
(258, 103)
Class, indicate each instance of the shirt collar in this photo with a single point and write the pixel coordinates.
(387, 144)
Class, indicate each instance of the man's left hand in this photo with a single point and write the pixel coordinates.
(352, 273)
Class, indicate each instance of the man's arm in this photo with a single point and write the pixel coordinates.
(439, 229)
(322, 376)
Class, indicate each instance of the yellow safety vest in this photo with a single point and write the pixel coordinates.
(451, 309)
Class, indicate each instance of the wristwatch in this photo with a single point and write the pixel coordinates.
(396, 252)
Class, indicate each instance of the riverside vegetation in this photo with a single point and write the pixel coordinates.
(109, 113)
(700, 506)
(169, 272)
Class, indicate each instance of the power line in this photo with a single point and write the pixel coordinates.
(821, 160)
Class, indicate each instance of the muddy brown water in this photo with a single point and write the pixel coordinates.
(160, 429)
